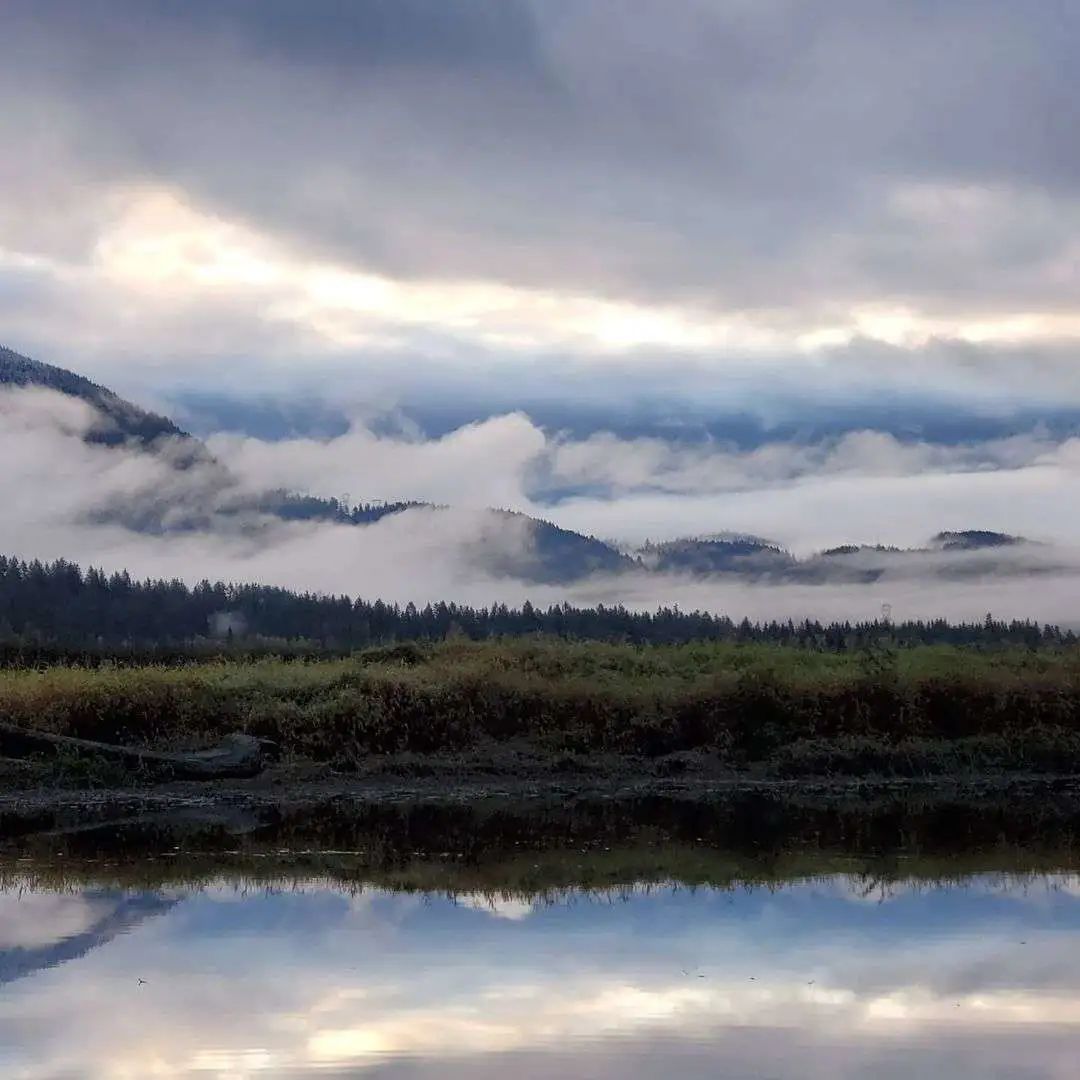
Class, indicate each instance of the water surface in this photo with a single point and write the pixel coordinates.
(840, 975)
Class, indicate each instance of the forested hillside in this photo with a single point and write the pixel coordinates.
(545, 553)
(122, 421)
(58, 609)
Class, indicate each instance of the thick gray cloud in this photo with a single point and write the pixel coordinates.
(868, 170)
(758, 155)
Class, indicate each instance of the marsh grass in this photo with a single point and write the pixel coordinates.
(550, 878)
(924, 710)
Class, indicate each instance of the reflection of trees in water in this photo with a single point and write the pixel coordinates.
(527, 848)
(127, 912)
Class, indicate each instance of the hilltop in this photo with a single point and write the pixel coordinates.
(547, 553)
(123, 421)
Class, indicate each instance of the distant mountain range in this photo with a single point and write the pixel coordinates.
(554, 555)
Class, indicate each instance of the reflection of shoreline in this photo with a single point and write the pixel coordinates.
(129, 911)
(512, 905)
(523, 849)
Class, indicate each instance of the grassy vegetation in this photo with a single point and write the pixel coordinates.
(547, 877)
(781, 711)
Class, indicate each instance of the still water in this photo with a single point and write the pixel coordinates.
(823, 976)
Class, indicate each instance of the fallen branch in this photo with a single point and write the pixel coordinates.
(236, 757)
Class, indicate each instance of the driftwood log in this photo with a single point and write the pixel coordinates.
(236, 757)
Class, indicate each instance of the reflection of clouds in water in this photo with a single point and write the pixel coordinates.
(34, 919)
(497, 906)
(859, 890)
(240, 984)
(1024, 888)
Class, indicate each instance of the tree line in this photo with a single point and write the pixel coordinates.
(55, 610)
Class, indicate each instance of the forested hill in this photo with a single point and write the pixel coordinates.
(553, 555)
(550, 554)
(57, 611)
(123, 421)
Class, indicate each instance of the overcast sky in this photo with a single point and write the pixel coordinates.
(767, 197)
(656, 261)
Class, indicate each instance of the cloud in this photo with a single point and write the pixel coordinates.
(42, 919)
(736, 162)
(238, 182)
(212, 1002)
(129, 509)
(862, 487)
(479, 465)
(66, 498)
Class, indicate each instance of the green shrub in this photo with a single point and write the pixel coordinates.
(904, 712)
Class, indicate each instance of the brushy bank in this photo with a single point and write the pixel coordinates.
(768, 709)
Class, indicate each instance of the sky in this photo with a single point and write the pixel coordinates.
(822, 978)
(648, 270)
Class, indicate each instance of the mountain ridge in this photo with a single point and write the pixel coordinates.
(130, 423)
(554, 555)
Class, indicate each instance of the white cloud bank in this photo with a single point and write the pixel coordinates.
(864, 487)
